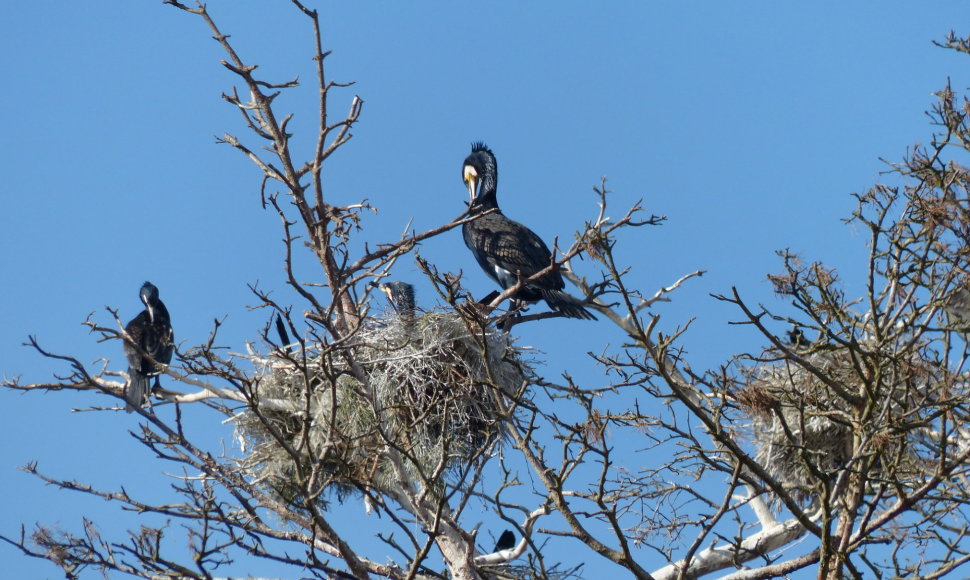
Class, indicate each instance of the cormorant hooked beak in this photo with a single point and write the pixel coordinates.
(148, 294)
(387, 292)
(148, 305)
(471, 181)
(383, 287)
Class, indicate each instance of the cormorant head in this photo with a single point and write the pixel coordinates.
(480, 172)
(149, 296)
(400, 295)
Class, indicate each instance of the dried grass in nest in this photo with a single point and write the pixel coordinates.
(429, 392)
(803, 428)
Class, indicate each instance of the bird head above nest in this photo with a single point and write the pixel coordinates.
(400, 295)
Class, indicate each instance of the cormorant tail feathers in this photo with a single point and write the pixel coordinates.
(564, 304)
(138, 388)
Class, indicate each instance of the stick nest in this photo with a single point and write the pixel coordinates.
(807, 430)
(410, 400)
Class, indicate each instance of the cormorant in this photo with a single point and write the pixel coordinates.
(505, 249)
(505, 541)
(152, 332)
(284, 336)
(797, 338)
(401, 297)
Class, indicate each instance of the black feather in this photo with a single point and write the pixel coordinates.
(151, 333)
(505, 541)
(281, 331)
(797, 338)
(508, 251)
(480, 146)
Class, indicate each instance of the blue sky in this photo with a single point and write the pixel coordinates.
(747, 125)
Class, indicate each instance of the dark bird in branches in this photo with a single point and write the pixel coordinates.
(401, 297)
(797, 338)
(284, 336)
(152, 344)
(505, 541)
(507, 250)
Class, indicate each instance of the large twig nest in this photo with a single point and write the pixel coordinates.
(853, 412)
(426, 391)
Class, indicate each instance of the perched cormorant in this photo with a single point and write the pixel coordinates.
(284, 336)
(797, 338)
(151, 330)
(505, 249)
(505, 541)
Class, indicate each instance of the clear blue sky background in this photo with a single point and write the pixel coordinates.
(748, 125)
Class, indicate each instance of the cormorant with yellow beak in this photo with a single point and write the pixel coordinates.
(507, 250)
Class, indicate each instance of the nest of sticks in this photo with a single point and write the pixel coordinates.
(408, 400)
(807, 430)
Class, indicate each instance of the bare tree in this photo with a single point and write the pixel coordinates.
(839, 447)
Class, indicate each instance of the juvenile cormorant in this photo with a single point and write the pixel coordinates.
(401, 297)
(151, 330)
(505, 249)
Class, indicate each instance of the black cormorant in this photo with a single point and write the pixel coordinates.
(505, 249)
(797, 338)
(401, 297)
(151, 331)
(505, 541)
(284, 336)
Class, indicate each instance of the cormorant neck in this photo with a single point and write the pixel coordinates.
(486, 198)
(485, 201)
(160, 312)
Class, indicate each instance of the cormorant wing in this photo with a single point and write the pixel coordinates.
(157, 340)
(159, 343)
(507, 250)
(136, 330)
(505, 541)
